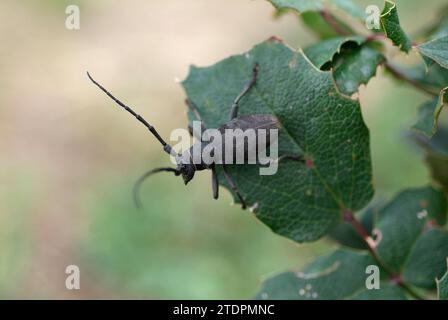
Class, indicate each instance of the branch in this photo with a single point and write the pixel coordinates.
(403, 77)
(329, 18)
(371, 246)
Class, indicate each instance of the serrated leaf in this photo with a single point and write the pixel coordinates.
(356, 66)
(429, 112)
(402, 221)
(391, 27)
(442, 286)
(340, 275)
(299, 5)
(426, 261)
(345, 234)
(326, 128)
(324, 51)
(436, 50)
(317, 24)
(350, 7)
(353, 61)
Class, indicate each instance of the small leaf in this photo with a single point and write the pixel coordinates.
(429, 113)
(402, 221)
(299, 5)
(427, 259)
(340, 275)
(317, 123)
(324, 51)
(391, 27)
(442, 286)
(436, 50)
(350, 7)
(356, 66)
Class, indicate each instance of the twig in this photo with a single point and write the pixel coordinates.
(403, 77)
(328, 17)
(362, 232)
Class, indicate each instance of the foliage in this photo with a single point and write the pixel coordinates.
(313, 94)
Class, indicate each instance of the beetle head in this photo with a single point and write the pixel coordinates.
(187, 171)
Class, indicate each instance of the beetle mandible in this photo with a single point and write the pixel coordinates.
(185, 165)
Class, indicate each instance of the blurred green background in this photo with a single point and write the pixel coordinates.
(69, 157)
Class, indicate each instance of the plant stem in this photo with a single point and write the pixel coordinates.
(362, 232)
(401, 76)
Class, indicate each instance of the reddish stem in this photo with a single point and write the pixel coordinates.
(362, 232)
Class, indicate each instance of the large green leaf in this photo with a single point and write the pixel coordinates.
(299, 5)
(391, 27)
(402, 222)
(442, 286)
(302, 201)
(340, 275)
(436, 50)
(429, 112)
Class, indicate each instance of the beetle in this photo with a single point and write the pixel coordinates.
(185, 166)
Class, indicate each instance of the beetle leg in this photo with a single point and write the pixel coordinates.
(215, 183)
(294, 158)
(249, 85)
(192, 107)
(233, 186)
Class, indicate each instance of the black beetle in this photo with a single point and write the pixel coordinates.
(185, 165)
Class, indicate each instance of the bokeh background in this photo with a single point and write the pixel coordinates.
(69, 157)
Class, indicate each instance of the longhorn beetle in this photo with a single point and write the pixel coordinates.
(185, 166)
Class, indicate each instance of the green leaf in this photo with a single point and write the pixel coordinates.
(317, 122)
(442, 286)
(429, 112)
(345, 234)
(324, 51)
(391, 27)
(299, 5)
(355, 66)
(402, 221)
(340, 275)
(350, 7)
(436, 155)
(436, 50)
(426, 261)
(353, 61)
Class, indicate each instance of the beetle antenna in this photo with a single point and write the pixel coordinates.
(138, 183)
(166, 147)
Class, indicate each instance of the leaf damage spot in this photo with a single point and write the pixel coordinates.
(309, 162)
(422, 214)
